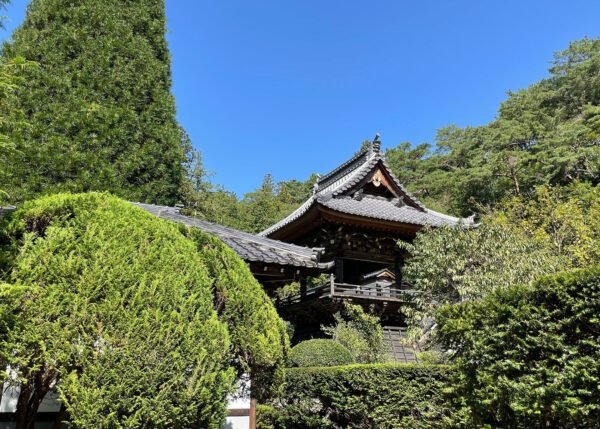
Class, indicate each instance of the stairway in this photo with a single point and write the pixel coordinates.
(393, 337)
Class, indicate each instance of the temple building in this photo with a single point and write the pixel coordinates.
(357, 214)
(348, 229)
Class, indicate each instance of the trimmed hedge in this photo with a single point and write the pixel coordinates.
(320, 352)
(529, 357)
(364, 396)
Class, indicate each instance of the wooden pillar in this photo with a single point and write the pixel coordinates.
(339, 270)
(303, 283)
(253, 414)
(398, 266)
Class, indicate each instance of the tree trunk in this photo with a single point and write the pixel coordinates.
(512, 162)
(31, 396)
(22, 417)
(515, 180)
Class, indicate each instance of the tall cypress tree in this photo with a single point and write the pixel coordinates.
(99, 107)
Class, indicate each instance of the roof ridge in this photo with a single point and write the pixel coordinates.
(289, 218)
(401, 186)
(336, 170)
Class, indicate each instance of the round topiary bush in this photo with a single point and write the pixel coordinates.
(320, 352)
(137, 321)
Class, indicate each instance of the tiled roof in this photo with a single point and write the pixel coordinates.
(330, 192)
(387, 209)
(250, 247)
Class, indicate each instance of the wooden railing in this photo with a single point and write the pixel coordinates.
(374, 292)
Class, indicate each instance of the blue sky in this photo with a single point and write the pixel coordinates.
(292, 87)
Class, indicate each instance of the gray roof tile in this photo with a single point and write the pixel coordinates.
(250, 247)
(386, 209)
(330, 190)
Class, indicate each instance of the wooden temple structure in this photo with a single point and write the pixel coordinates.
(357, 214)
(349, 228)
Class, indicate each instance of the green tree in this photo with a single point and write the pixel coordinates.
(452, 265)
(10, 119)
(565, 219)
(124, 316)
(204, 200)
(261, 207)
(100, 111)
(259, 337)
(528, 356)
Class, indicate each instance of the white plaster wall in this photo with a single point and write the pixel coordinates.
(237, 423)
(240, 399)
(9, 399)
(50, 403)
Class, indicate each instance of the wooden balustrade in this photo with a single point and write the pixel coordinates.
(331, 289)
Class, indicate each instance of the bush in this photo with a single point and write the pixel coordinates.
(451, 264)
(259, 337)
(320, 352)
(119, 311)
(360, 333)
(529, 356)
(268, 417)
(364, 396)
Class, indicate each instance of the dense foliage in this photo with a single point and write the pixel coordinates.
(363, 396)
(319, 352)
(553, 229)
(360, 332)
(120, 312)
(258, 335)
(451, 265)
(565, 220)
(10, 118)
(529, 356)
(100, 112)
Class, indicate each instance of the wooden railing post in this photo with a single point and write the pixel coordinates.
(332, 284)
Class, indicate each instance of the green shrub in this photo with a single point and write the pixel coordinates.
(364, 396)
(136, 327)
(259, 337)
(268, 417)
(360, 332)
(320, 352)
(450, 265)
(529, 356)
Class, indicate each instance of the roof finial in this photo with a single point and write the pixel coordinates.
(376, 144)
(316, 184)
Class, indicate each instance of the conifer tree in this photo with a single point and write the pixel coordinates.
(99, 106)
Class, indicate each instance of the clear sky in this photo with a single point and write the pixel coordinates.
(292, 87)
